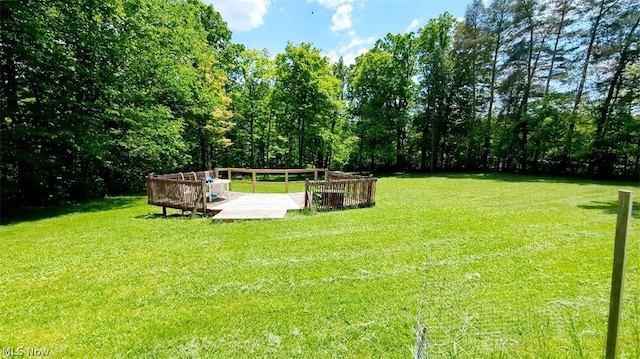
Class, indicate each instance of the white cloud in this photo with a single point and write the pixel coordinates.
(342, 18)
(241, 15)
(350, 57)
(460, 19)
(414, 25)
(356, 41)
(333, 4)
(348, 51)
(333, 56)
(342, 21)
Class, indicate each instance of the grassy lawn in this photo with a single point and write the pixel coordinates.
(267, 187)
(491, 265)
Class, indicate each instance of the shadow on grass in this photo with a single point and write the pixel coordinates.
(169, 216)
(38, 213)
(511, 177)
(610, 207)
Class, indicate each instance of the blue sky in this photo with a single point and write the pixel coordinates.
(338, 27)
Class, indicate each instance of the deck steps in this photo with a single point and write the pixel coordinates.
(230, 214)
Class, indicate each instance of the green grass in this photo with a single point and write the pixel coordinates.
(267, 187)
(271, 183)
(492, 266)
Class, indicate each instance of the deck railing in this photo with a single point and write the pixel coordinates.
(184, 191)
(189, 176)
(339, 191)
(339, 175)
(286, 171)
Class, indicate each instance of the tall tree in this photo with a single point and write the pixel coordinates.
(524, 54)
(619, 49)
(370, 103)
(496, 27)
(596, 11)
(400, 86)
(306, 90)
(341, 139)
(252, 89)
(472, 67)
(558, 21)
(434, 45)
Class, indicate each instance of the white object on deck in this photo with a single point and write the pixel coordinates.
(219, 186)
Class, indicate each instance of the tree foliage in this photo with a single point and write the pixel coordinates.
(306, 100)
(98, 94)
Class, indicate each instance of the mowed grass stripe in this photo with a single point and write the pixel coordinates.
(494, 265)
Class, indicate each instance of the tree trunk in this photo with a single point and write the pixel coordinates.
(301, 143)
(532, 66)
(492, 89)
(320, 160)
(212, 162)
(585, 65)
(423, 149)
(267, 146)
(563, 14)
(8, 78)
(252, 142)
(372, 164)
(432, 163)
(399, 149)
(524, 107)
(638, 159)
(8, 73)
(536, 156)
(203, 153)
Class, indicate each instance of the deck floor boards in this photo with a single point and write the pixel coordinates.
(256, 205)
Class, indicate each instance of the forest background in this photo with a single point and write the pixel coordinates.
(98, 94)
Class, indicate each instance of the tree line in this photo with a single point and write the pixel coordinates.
(519, 85)
(96, 95)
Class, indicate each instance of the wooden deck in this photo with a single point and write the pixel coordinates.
(256, 205)
(184, 191)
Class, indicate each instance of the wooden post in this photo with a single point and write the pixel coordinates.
(286, 181)
(617, 277)
(204, 197)
(315, 175)
(229, 178)
(195, 204)
(306, 193)
(253, 179)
